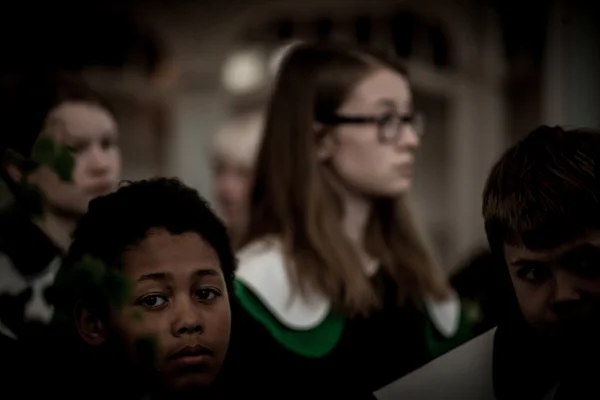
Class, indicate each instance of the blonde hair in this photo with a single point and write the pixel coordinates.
(239, 139)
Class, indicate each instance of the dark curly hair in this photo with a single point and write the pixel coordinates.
(121, 220)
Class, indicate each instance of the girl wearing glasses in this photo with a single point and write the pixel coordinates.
(337, 286)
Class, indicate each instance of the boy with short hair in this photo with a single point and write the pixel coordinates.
(541, 206)
(148, 279)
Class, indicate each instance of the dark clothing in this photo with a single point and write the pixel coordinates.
(28, 264)
(72, 371)
(478, 286)
(511, 362)
(372, 351)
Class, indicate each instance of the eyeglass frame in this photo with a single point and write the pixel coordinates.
(415, 120)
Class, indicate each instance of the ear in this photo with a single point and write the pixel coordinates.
(90, 326)
(8, 165)
(325, 142)
(13, 172)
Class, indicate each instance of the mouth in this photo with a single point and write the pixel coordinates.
(100, 189)
(191, 356)
(405, 169)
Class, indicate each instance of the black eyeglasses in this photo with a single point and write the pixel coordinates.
(390, 126)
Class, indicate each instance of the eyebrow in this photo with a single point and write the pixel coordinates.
(387, 103)
(165, 276)
(393, 105)
(521, 262)
(583, 247)
(105, 134)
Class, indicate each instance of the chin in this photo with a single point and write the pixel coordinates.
(190, 382)
(398, 189)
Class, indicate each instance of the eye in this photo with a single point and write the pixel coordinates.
(207, 294)
(108, 143)
(586, 267)
(153, 301)
(77, 148)
(533, 274)
(387, 119)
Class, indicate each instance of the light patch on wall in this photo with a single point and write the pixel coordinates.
(244, 72)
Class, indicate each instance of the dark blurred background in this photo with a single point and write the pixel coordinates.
(484, 72)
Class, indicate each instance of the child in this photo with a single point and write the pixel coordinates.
(336, 281)
(148, 279)
(58, 150)
(541, 206)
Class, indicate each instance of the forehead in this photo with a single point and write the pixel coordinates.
(162, 251)
(80, 119)
(515, 253)
(380, 87)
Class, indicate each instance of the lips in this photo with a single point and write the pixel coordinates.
(100, 189)
(406, 169)
(191, 356)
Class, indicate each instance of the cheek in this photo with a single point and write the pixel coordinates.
(367, 169)
(233, 188)
(133, 324)
(245, 187)
(142, 333)
(354, 157)
(53, 188)
(532, 300)
(591, 287)
(114, 160)
(222, 327)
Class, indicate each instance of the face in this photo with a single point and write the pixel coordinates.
(557, 290)
(179, 300)
(90, 132)
(233, 183)
(358, 156)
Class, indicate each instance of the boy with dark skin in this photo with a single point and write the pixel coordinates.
(145, 290)
(541, 207)
(156, 319)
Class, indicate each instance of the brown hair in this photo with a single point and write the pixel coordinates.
(291, 198)
(26, 105)
(544, 190)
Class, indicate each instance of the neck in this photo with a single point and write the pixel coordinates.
(57, 228)
(355, 218)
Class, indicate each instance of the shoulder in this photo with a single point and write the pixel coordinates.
(444, 314)
(465, 372)
(263, 272)
(304, 322)
(446, 325)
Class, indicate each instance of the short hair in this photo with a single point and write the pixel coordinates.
(121, 220)
(28, 101)
(544, 190)
(24, 108)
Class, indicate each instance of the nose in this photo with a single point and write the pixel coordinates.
(98, 161)
(408, 138)
(566, 288)
(187, 318)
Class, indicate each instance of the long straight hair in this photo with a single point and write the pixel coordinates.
(293, 200)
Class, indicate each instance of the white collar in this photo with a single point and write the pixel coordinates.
(262, 267)
(444, 314)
